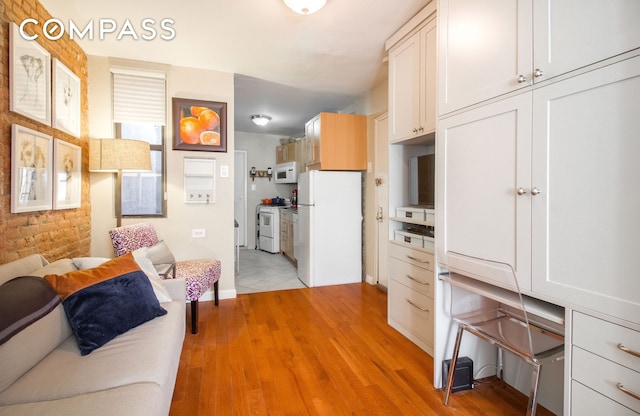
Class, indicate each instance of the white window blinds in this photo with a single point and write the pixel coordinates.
(138, 98)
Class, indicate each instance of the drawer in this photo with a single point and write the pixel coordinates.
(585, 401)
(411, 310)
(603, 376)
(412, 276)
(602, 338)
(415, 257)
(409, 238)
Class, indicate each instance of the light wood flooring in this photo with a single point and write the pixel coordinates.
(320, 351)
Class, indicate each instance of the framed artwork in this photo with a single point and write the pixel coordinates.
(29, 78)
(199, 125)
(31, 169)
(66, 99)
(67, 175)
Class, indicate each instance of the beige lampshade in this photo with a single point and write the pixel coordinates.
(112, 155)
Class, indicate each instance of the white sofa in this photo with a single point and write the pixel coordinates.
(43, 373)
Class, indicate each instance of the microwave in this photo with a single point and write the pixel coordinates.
(286, 173)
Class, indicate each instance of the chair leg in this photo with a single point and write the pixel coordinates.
(452, 365)
(215, 293)
(194, 316)
(533, 397)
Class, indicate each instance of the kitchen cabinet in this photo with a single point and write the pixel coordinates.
(411, 292)
(537, 183)
(286, 153)
(607, 367)
(412, 89)
(336, 142)
(498, 46)
(287, 233)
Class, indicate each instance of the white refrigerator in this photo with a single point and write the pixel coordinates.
(329, 250)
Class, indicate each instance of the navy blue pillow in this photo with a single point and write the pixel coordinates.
(100, 312)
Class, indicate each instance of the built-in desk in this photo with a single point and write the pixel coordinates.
(543, 314)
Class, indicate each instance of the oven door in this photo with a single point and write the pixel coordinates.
(267, 224)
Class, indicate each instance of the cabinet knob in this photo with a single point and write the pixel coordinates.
(522, 191)
(415, 131)
(535, 191)
(522, 79)
(538, 73)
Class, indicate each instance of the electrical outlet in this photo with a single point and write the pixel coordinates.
(198, 233)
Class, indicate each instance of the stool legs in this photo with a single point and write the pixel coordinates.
(194, 316)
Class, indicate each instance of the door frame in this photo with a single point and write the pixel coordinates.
(240, 177)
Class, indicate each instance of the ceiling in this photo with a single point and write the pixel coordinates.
(285, 65)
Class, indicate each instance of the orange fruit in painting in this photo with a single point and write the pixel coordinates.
(190, 129)
(211, 138)
(195, 110)
(210, 119)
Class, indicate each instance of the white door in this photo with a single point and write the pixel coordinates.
(585, 164)
(381, 253)
(483, 201)
(484, 47)
(240, 194)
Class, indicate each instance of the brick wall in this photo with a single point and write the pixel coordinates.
(56, 233)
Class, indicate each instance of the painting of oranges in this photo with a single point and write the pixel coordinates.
(199, 125)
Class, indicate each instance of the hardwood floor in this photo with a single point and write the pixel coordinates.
(320, 351)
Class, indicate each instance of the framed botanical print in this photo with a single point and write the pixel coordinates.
(29, 78)
(66, 99)
(67, 175)
(31, 169)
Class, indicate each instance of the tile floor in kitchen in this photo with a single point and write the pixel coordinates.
(263, 272)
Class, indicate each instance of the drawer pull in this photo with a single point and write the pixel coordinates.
(628, 350)
(416, 306)
(420, 282)
(628, 392)
(417, 259)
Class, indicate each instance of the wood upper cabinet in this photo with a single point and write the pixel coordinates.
(286, 153)
(494, 47)
(336, 142)
(412, 89)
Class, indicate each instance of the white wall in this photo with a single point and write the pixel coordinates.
(261, 153)
(175, 229)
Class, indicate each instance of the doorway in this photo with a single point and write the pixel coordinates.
(381, 254)
(240, 195)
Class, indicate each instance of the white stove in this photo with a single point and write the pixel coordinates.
(269, 228)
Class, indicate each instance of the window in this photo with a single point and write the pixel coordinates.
(139, 113)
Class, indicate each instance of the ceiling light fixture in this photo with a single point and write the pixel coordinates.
(305, 6)
(260, 119)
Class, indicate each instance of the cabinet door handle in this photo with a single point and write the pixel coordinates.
(522, 79)
(522, 191)
(628, 350)
(538, 73)
(420, 282)
(417, 259)
(626, 391)
(415, 131)
(420, 307)
(536, 191)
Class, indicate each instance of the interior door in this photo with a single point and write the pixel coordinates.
(240, 194)
(381, 254)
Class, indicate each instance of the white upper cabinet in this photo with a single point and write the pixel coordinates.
(493, 47)
(412, 89)
(483, 203)
(585, 220)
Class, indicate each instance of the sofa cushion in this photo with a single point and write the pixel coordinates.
(57, 267)
(22, 267)
(150, 270)
(149, 353)
(106, 301)
(24, 300)
(25, 349)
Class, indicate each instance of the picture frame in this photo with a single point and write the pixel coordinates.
(199, 125)
(66, 99)
(29, 78)
(31, 170)
(67, 175)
